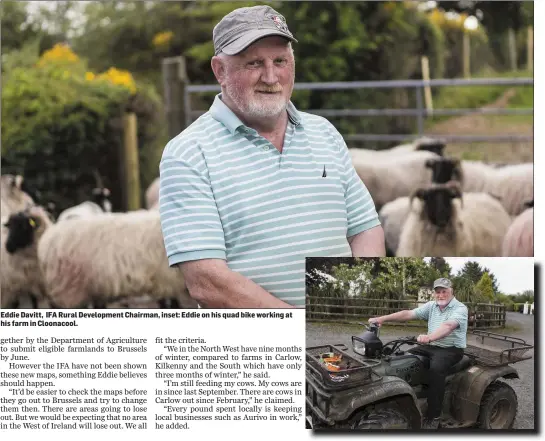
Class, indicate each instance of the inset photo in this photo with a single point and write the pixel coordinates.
(433, 343)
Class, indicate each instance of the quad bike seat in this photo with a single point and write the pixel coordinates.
(464, 363)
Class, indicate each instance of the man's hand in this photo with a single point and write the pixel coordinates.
(376, 320)
(423, 338)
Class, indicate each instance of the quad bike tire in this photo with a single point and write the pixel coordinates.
(498, 407)
(382, 419)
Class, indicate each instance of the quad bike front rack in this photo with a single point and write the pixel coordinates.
(343, 372)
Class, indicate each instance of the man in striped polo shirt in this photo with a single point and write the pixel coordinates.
(445, 341)
(254, 186)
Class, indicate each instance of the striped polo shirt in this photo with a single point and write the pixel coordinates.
(455, 310)
(227, 193)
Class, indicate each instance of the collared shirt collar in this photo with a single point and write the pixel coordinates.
(220, 112)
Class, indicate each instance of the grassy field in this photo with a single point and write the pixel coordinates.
(474, 124)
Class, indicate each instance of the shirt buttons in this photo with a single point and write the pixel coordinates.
(266, 147)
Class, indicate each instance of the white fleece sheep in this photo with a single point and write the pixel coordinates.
(389, 180)
(12, 197)
(519, 239)
(21, 280)
(422, 144)
(102, 259)
(85, 209)
(512, 184)
(392, 217)
(472, 224)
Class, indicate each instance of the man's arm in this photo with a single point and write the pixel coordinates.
(442, 331)
(368, 243)
(400, 316)
(213, 285)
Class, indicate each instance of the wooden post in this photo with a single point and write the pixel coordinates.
(174, 83)
(130, 163)
(466, 54)
(427, 89)
(512, 48)
(530, 55)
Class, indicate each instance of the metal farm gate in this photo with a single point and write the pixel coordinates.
(420, 112)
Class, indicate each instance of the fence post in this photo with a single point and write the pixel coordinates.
(466, 54)
(512, 48)
(130, 164)
(175, 81)
(420, 107)
(427, 88)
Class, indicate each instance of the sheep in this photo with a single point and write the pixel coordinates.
(443, 222)
(102, 259)
(391, 154)
(512, 184)
(392, 217)
(389, 180)
(394, 213)
(152, 195)
(19, 261)
(12, 196)
(99, 205)
(444, 170)
(101, 197)
(519, 239)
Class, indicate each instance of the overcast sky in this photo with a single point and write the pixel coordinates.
(514, 274)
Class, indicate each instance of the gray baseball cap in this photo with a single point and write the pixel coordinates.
(244, 26)
(442, 282)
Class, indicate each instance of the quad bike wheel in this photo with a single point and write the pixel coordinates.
(498, 407)
(380, 419)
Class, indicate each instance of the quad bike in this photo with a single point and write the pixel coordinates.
(385, 386)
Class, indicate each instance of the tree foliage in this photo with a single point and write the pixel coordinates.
(485, 288)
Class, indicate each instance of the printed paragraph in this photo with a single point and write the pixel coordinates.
(48, 394)
(203, 382)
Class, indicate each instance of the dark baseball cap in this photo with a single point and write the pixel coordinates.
(244, 26)
(442, 282)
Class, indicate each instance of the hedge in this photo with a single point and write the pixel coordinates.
(61, 125)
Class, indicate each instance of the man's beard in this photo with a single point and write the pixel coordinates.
(254, 106)
(444, 302)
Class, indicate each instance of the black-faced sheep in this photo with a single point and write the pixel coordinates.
(21, 279)
(519, 239)
(104, 259)
(511, 184)
(443, 222)
(393, 214)
(444, 170)
(389, 180)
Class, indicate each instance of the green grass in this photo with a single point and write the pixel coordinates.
(467, 97)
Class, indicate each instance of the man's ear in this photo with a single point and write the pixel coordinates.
(218, 67)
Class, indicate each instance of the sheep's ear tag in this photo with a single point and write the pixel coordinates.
(32, 223)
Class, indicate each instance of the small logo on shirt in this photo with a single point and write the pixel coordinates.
(324, 174)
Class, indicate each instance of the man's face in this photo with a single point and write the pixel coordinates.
(259, 81)
(442, 295)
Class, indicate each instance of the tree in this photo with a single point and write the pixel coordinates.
(441, 265)
(484, 287)
(495, 285)
(472, 271)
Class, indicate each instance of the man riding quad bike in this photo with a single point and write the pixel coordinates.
(385, 385)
